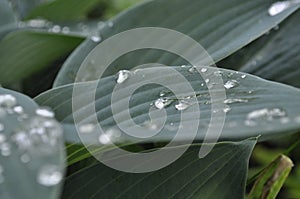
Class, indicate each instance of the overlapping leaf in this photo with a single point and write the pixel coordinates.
(25, 159)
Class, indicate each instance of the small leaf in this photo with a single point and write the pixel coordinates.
(271, 179)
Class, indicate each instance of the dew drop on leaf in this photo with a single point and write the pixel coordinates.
(18, 109)
(182, 105)
(279, 7)
(231, 101)
(161, 103)
(122, 76)
(96, 38)
(203, 70)
(56, 29)
(86, 128)
(231, 84)
(110, 24)
(104, 138)
(7, 101)
(5, 149)
(45, 112)
(227, 109)
(65, 30)
(49, 175)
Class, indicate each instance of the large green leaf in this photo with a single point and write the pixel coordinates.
(274, 56)
(8, 20)
(59, 10)
(32, 157)
(213, 24)
(255, 106)
(221, 174)
(24, 52)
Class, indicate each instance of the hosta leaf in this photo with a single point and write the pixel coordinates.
(32, 155)
(24, 52)
(274, 56)
(213, 24)
(253, 106)
(221, 174)
(8, 20)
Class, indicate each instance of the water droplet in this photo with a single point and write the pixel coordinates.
(25, 158)
(45, 112)
(284, 120)
(231, 101)
(182, 105)
(207, 81)
(269, 114)
(231, 84)
(49, 175)
(22, 140)
(96, 39)
(218, 73)
(243, 76)
(171, 127)
(44, 133)
(279, 7)
(203, 70)
(227, 109)
(56, 29)
(37, 23)
(104, 138)
(122, 76)
(161, 103)
(149, 125)
(18, 109)
(2, 139)
(86, 128)
(193, 69)
(250, 123)
(100, 24)
(297, 119)
(65, 30)
(7, 101)
(5, 149)
(110, 24)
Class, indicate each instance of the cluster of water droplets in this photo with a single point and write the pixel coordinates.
(103, 138)
(93, 31)
(265, 114)
(31, 136)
